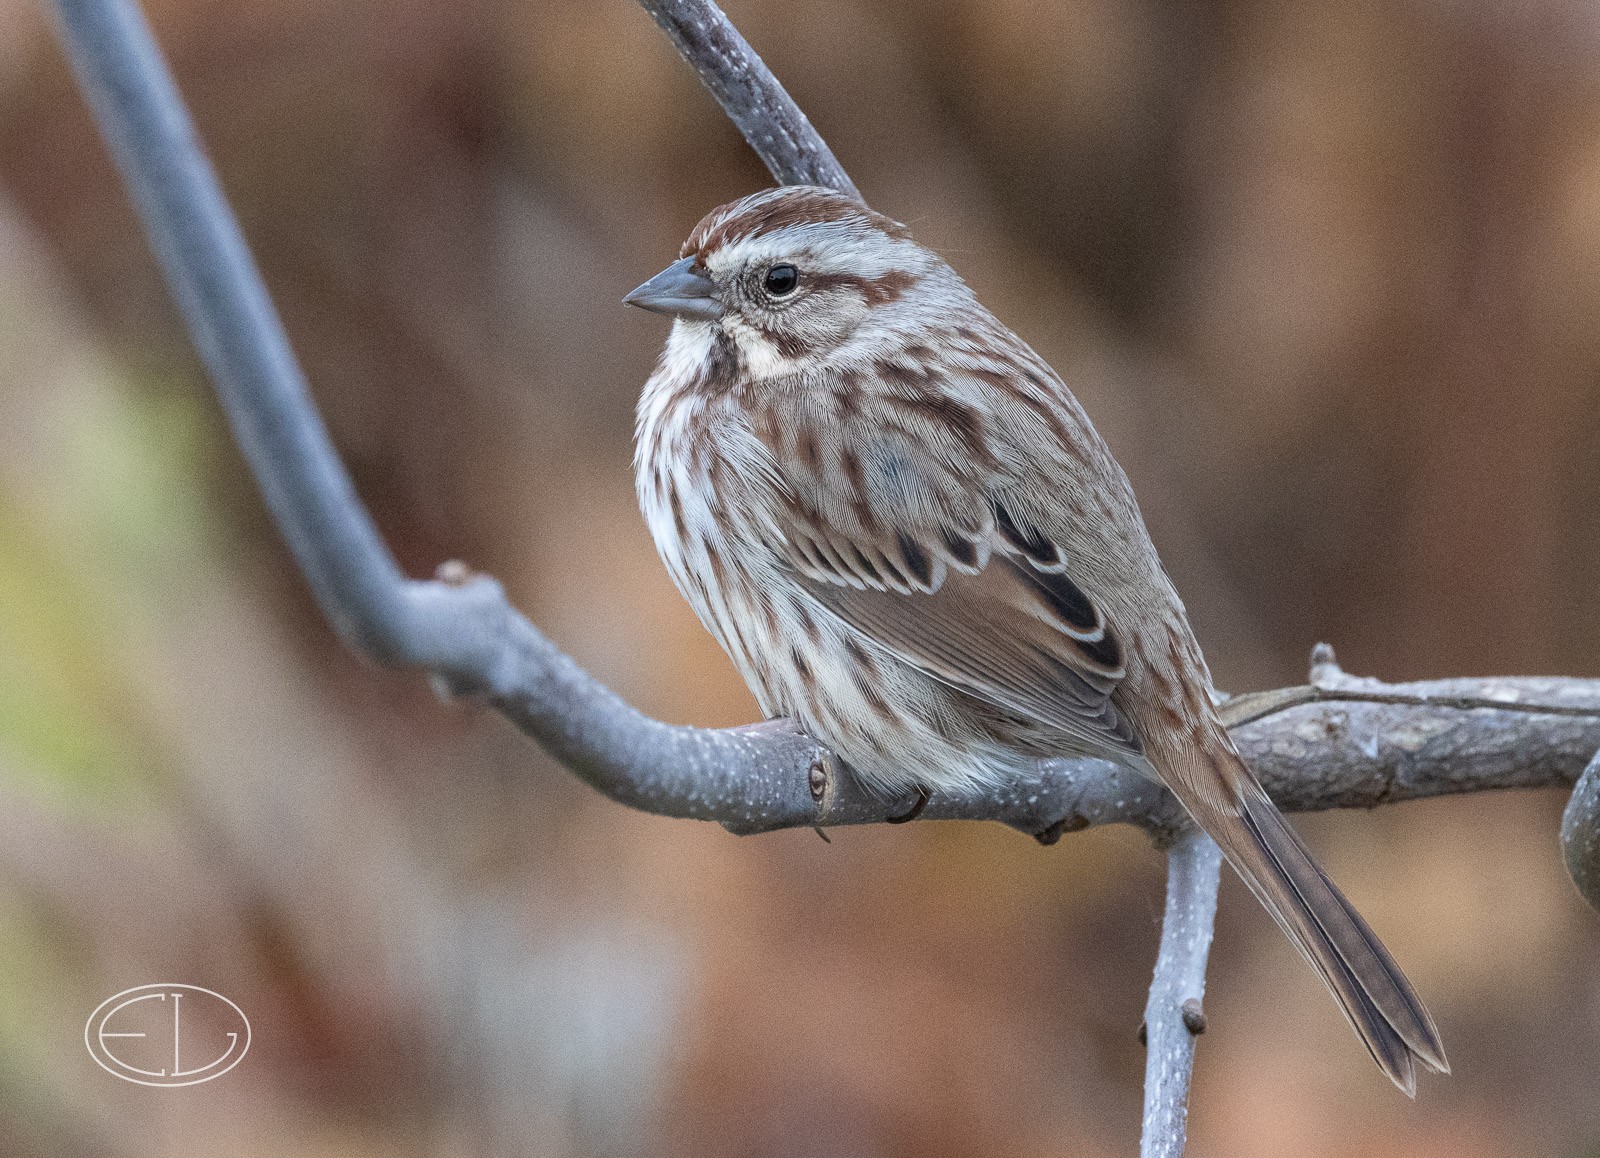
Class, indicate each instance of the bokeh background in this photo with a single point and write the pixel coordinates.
(1327, 276)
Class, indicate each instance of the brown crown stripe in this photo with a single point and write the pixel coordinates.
(774, 209)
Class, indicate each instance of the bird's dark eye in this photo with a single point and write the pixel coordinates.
(781, 280)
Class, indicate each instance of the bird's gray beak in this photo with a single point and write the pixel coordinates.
(678, 290)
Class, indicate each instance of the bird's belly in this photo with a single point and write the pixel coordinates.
(897, 727)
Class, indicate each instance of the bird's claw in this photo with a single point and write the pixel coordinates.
(915, 810)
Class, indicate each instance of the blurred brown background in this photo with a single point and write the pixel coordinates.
(1328, 277)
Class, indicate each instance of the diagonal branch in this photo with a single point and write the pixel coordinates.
(772, 124)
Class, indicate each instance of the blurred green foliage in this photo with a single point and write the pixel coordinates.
(80, 573)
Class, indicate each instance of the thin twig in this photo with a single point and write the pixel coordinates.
(1252, 706)
(752, 98)
(1175, 1013)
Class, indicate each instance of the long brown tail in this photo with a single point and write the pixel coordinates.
(1225, 800)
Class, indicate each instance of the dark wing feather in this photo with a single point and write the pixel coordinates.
(1024, 639)
(994, 635)
(903, 525)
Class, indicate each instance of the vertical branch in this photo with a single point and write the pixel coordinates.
(749, 94)
(1174, 1016)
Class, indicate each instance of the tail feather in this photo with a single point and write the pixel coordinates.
(1374, 994)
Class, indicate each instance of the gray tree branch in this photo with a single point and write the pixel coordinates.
(1339, 742)
(1175, 1015)
(772, 124)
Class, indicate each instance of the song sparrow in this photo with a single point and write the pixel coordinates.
(903, 529)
